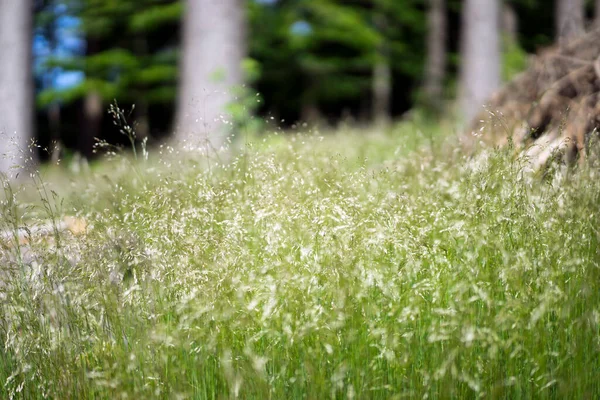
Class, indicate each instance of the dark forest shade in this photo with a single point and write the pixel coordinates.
(321, 59)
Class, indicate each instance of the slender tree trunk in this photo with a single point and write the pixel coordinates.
(480, 47)
(93, 108)
(53, 111)
(54, 122)
(142, 127)
(91, 129)
(142, 122)
(16, 84)
(310, 112)
(569, 19)
(436, 54)
(597, 13)
(213, 50)
(382, 78)
(382, 91)
(510, 23)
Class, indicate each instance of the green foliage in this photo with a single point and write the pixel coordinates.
(317, 53)
(157, 74)
(352, 265)
(247, 101)
(125, 59)
(331, 60)
(343, 24)
(103, 18)
(156, 15)
(106, 90)
(514, 60)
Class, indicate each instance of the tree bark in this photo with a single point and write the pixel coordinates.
(53, 113)
(382, 78)
(92, 126)
(310, 112)
(93, 107)
(213, 50)
(382, 91)
(480, 48)
(569, 19)
(436, 54)
(16, 84)
(142, 122)
(510, 23)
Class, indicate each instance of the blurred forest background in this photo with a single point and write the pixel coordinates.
(185, 64)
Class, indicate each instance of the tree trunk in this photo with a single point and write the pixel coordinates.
(569, 19)
(436, 54)
(53, 111)
(382, 90)
(54, 124)
(16, 84)
(213, 50)
(310, 114)
(597, 13)
(480, 48)
(142, 122)
(382, 78)
(91, 129)
(92, 112)
(510, 24)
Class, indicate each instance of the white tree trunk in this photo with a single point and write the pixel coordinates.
(16, 84)
(436, 53)
(569, 19)
(213, 50)
(480, 58)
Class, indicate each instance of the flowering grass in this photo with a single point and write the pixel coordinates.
(349, 266)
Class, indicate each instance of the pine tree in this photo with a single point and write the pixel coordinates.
(131, 56)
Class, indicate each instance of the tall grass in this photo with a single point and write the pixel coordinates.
(345, 267)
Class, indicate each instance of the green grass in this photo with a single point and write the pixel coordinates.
(345, 266)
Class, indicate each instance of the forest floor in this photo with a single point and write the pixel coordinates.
(353, 265)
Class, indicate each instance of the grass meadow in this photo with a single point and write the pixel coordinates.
(349, 265)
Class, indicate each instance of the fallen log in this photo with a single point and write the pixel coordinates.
(24, 235)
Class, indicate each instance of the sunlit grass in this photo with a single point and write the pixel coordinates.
(309, 266)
